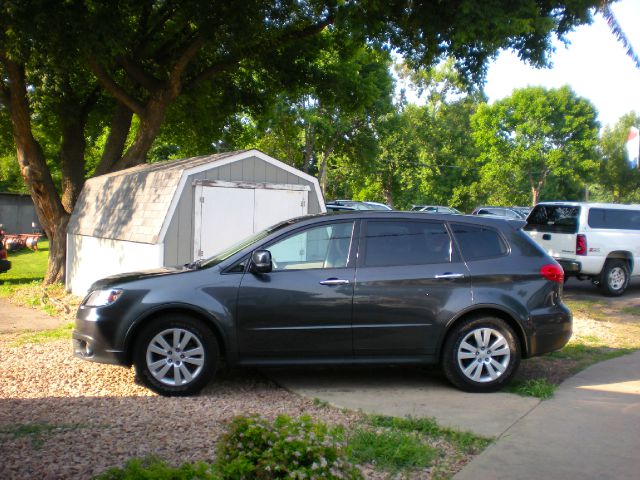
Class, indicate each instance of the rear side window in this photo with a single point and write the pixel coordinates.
(477, 242)
(614, 218)
(553, 218)
(391, 243)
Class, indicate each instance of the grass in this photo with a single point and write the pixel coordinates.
(540, 388)
(588, 307)
(465, 441)
(37, 432)
(391, 450)
(27, 266)
(404, 445)
(43, 336)
(22, 284)
(632, 311)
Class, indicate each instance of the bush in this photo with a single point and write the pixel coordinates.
(257, 449)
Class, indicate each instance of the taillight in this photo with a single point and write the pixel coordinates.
(581, 244)
(3, 253)
(553, 272)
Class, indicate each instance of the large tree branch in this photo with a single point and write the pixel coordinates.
(137, 73)
(186, 56)
(213, 70)
(261, 48)
(89, 103)
(113, 149)
(116, 90)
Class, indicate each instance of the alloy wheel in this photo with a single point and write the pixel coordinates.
(483, 355)
(175, 357)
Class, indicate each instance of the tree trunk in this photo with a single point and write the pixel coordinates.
(35, 172)
(309, 140)
(534, 196)
(72, 162)
(322, 175)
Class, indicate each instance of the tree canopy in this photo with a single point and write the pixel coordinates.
(536, 138)
(89, 86)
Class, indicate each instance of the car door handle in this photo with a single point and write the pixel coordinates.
(450, 275)
(334, 281)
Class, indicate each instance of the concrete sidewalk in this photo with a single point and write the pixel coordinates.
(402, 391)
(17, 319)
(590, 429)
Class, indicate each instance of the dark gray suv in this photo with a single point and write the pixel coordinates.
(473, 294)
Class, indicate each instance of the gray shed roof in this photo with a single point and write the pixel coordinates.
(132, 204)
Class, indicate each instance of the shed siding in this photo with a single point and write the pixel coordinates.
(94, 258)
(180, 236)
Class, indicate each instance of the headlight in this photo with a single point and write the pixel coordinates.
(101, 298)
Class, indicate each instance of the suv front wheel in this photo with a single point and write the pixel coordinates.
(481, 354)
(175, 355)
(614, 278)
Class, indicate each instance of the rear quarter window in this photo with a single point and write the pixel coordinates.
(553, 219)
(477, 242)
(614, 219)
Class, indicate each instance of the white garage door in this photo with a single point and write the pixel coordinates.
(225, 212)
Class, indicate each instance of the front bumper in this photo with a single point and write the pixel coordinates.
(87, 348)
(98, 337)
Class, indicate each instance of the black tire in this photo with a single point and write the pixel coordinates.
(175, 355)
(471, 365)
(614, 278)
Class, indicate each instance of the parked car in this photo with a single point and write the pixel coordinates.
(506, 212)
(358, 205)
(523, 211)
(5, 264)
(378, 205)
(332, 207)
(595, 241)
(435, 209)
(472, 294)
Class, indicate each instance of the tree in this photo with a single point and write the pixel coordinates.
(447, 151)
(531, 137)
(123, 66)
(311, 127)
(617, 178)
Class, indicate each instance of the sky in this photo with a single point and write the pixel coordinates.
(595, 65)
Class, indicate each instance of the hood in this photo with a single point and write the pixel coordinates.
(133, 276)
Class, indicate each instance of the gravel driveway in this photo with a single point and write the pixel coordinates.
(61, 417)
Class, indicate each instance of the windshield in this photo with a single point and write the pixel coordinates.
(244, 243)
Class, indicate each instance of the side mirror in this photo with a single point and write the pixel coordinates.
(261, 261)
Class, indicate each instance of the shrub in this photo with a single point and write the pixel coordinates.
(254, 448)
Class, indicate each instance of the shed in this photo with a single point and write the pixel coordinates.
(18, 214)
(174, 212)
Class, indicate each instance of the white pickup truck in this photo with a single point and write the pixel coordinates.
(596, 241)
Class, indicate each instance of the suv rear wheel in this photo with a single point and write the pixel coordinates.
(481, 354)
(614, 278)
(175, 355)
